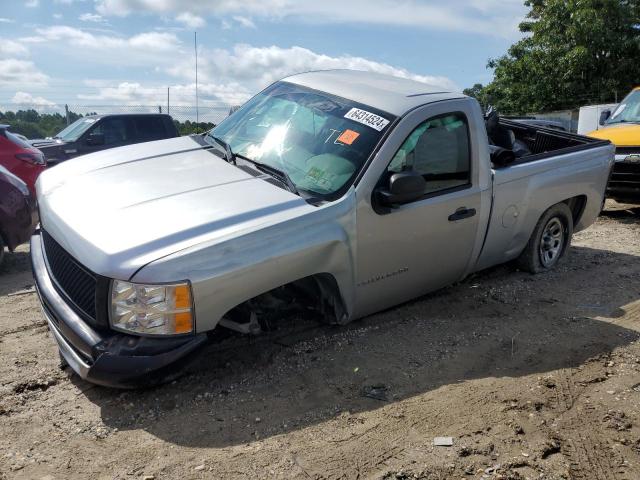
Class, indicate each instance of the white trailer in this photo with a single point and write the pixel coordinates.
(589, 117)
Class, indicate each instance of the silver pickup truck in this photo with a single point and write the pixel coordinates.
(340, 192)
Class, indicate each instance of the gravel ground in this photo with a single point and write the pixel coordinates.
(532, 377)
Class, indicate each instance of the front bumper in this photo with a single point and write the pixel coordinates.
(624, 183)
(106, 357)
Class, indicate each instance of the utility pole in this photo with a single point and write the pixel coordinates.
(66, 113)
(168, 100)
(195, 45)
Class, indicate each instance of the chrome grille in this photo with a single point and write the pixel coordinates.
(73, 280)
(627, 150)
(625, 174)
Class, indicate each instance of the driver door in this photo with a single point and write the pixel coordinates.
(110, 132)
(408, 250)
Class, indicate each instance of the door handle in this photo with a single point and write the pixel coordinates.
(462, 213)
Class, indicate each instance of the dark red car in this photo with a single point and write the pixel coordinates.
(20, 158)
(18, 212)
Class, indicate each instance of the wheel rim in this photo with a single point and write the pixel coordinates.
(552, 242)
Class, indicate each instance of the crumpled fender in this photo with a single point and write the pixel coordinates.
(225, 274)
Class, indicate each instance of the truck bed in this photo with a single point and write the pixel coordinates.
(563, 167)
(546, 142)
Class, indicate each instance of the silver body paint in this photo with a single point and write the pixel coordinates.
(169, 210)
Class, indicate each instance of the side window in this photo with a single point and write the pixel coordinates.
(149, 129)
(114, 130)
(439, 150)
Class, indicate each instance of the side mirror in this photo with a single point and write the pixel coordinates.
(404, 187)
(95, 139)
(604, 116)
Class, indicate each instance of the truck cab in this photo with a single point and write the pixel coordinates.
(93, 133)
(622, 128)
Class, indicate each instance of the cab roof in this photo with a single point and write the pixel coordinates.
(106, 115)
(385, 92)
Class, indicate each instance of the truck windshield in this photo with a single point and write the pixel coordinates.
(628, 111)
(320, 141)
(75, 130)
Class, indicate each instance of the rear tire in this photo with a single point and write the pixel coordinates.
(549, 241)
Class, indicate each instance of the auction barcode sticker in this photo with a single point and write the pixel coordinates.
(367, 118)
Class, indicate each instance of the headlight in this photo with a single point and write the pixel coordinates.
(151, 309)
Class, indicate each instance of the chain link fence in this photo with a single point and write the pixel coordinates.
(181, 113)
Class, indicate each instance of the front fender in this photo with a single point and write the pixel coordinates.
(228, 273)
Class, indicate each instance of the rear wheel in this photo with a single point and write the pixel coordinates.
(549, 241)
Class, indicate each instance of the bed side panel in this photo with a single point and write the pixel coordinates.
(523, 192)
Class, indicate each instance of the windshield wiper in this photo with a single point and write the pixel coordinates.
(623, 121)
(229, 156)
(274, 172)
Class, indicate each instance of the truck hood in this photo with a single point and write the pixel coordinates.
(119, 209)
(623, 135)
(46, 142)
(54, 150)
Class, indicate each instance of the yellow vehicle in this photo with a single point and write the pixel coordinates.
(622, 128)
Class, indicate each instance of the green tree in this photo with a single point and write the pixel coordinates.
(36, 125)
(576, 52)
(478, 91)
(189, 127)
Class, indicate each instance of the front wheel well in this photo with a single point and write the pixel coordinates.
(318, 294)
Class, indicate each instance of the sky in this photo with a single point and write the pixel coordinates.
(127, 52)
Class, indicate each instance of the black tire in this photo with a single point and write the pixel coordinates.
(63, 361)
(549, 241)
(2, 250)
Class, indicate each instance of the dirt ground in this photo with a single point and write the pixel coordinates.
(532, 376)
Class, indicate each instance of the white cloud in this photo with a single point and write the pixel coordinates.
(158, 41)
(256, 67)
(190, 20)
(232, 76)
(20, 72)
(244, 21)
(144, 47)
(493, 17)
(229, 75)
(6, 20)
(228, 24)
(11, 48)
(31, 3)
(57, 16)
(92, 17)
(23, 98)
(133, 93)
(124, 93)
